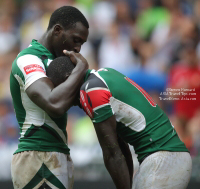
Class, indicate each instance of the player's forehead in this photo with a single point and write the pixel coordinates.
(79, 30)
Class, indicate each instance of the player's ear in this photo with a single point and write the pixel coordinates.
(57, 29)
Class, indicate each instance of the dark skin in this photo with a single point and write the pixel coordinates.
(127, 154)
(57, 100)
(116, 153)
(57, 39)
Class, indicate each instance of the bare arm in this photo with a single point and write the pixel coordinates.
(114, 159)
(56, 101)
(127, 154)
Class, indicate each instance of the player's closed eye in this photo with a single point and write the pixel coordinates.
(77, 40)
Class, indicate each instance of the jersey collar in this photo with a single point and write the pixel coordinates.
(40, 46)
(87, 75)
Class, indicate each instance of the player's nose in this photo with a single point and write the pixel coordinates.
(77, 49)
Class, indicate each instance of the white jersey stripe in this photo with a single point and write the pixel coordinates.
(35, 115)
(98, 107)
(97, 88)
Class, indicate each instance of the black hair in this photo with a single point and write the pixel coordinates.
(59, 68)
(67, 16)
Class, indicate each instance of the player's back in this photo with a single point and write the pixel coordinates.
(140, 121)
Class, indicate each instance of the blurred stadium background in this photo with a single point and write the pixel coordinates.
(154, 42)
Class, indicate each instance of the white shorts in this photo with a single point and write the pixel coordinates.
(33, 170)
(164, 170)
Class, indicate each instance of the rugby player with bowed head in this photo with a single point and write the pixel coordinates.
(42, 159)
(123, 113)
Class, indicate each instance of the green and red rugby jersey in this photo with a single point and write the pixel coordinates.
(38, 131)
(140, 121)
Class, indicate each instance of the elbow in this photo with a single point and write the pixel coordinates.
(57, 109)
(55, 112)
(115, 155)
(112, 160)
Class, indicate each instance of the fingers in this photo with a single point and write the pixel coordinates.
(76, 58)
(66, 52)
(71, 55)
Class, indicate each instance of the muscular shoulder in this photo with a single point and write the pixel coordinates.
(95, 98)
(27, 69)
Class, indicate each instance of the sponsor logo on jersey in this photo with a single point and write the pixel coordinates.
(33, 68)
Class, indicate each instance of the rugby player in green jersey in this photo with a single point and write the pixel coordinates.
(122, 112)
(42, 159)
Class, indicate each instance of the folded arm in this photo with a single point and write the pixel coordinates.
(56, 101)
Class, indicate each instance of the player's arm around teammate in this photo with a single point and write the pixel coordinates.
(56, 101)
(114, 159)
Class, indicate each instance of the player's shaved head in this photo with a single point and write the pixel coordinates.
(67, 16)
(59, 69)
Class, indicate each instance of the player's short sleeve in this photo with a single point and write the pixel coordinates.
(95, 99)
(32, 69)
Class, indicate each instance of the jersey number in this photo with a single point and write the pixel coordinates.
(146, 95)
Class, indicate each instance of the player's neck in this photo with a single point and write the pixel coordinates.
(44, 40)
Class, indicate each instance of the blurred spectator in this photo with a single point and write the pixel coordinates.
(152, 82)
(149, 16)
(35, 17)
(86, 3)
(5, 67)
(124, 18)
(115, 50)
(88, 52)
(8, 39)
(197, 11)
(185, 76)
(9, 132)
(193, 129)
(103, 14)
